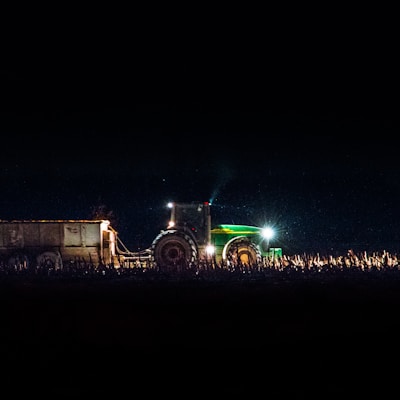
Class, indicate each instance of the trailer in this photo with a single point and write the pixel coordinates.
(53, 243)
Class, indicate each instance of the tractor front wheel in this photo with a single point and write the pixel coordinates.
(243, 251)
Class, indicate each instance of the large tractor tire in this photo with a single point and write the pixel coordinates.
(174, 250)
(243, 251)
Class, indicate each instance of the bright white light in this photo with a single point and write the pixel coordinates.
(170, 204)
(268, 233)
(171, 224)
(210, 250)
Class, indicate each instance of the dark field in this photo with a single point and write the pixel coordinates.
(299, 338)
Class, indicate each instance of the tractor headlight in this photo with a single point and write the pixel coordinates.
(210, 250)
(268, 233)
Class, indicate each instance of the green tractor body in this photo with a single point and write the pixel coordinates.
(223, 235)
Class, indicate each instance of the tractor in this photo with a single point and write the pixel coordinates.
(190, 238)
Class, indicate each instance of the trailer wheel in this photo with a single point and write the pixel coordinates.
(173, 250)
(19, 261)
(242, 250)
(49, 260)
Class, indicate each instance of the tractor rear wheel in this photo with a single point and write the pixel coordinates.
(174, 250)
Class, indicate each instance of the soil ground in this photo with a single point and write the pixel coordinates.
(281, 338)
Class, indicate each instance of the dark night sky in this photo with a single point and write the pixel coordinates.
(306, 141)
